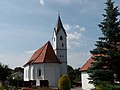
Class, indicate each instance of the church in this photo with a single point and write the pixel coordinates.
(49, 62)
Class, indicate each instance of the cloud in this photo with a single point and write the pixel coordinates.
(74, 27)
(67, 27)
(62, 2)
(1, 56)
(74, 33)
(74, 36)
(78, 59)
(80, 28)
(30, 51)
(42, 2)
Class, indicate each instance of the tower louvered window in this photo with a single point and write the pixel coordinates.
(61, 38)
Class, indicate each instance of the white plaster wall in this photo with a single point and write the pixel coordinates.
(49, 71)
(35, 74)
(26, 73)
(60, 51)
(85, 82)
(59, 42)
(54, 41)
(62, 55)
(63, 68)
(52, 74)
(31, 72)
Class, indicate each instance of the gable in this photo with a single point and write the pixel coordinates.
(87, 65)
(45, 54)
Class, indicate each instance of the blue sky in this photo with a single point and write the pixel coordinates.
(26, 25)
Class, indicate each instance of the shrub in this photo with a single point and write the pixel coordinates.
(1, 88)
(64, 83)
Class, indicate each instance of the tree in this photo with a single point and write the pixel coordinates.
(5, 71)
(19, 69)
(77, 75)
(73, 74)
(107, 52)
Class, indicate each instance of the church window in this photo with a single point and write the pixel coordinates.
(61, 38)
(54, 39)
(62, 45)
(39, 72)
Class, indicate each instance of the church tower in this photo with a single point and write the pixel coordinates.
(60, 45)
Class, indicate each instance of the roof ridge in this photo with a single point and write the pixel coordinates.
(50, 48)
(46, 50)
(42, 48)
(45, 54)
(87, 64)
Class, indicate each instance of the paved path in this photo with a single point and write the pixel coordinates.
(77, 88)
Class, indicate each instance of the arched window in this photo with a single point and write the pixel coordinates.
(61, 38)
(62, 45)
(39, 72)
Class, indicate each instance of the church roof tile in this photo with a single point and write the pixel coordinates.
(87, 65)
(45, 54)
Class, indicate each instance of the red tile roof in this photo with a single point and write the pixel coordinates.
(87, 65)
(45, 54)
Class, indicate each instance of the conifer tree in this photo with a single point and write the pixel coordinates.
(106, 55)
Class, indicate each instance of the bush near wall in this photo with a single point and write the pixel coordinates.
(64, 83)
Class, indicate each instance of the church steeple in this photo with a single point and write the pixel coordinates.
(59, 26)
(60, 44)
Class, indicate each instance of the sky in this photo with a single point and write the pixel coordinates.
(26, 25)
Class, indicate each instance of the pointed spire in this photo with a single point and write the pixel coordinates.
(59, 25)
(59, 22)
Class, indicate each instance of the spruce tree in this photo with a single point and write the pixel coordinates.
(106, 55)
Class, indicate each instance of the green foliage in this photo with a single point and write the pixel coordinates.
(1, 88)
(107, 52)
(19, 69)
(73, 74)
(64, 83)
(107, 86)
(5, 71)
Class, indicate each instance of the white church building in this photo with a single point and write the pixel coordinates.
(48, 63)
